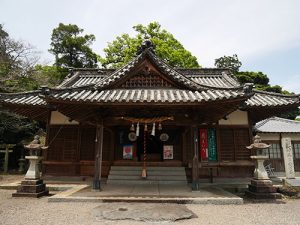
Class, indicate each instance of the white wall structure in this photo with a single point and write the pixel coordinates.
(237, 117)
(58, 118)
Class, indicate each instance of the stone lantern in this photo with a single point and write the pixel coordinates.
(261, 186)
(32, 185)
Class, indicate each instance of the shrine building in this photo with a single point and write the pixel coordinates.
(148, 114)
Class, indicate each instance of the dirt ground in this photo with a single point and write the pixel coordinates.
(10, 178)
(14, 211)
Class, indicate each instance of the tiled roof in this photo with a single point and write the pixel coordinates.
(208, 77)
(84, 76)
(31, 98)
(259, 99)
(220, 81)
(190, 85)
(144, 95)
(110, 80)
(262, 98)
(277, 125)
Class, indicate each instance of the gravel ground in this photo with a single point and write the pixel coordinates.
(38, 211)
(4, 179)
(15, 211)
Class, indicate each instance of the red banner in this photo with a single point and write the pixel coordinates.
(203, 144)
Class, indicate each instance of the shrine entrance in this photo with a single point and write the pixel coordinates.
(154, 148)
(163, 145)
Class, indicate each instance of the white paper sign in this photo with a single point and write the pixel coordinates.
(288, 158)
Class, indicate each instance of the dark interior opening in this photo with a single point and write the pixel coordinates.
(154, 147)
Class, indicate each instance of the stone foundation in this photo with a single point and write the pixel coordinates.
(262, 189)
(31, 188)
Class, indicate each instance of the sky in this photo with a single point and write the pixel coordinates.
(265, 34)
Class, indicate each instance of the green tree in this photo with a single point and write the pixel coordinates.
(17, 61)
(50, 76)
(124, 48)
(229, 62)
(259, 79)
(17, 65)
(14, 128)
(71, 48)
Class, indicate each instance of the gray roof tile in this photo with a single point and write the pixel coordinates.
(277, 125)
(144, 95)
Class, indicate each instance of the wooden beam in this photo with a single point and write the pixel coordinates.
(98, 158)
(195, 166)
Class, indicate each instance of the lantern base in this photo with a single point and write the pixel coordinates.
(34, 188)
(262, 189)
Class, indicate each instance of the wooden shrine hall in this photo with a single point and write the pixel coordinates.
(148, 114)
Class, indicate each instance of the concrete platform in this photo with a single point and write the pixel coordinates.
(154, 193)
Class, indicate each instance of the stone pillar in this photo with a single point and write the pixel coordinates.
(8, 148)
(260, 172)
(33, 171)
(288, 158)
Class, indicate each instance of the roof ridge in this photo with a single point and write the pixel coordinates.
(195, 83)
(202, 68)
(285, 120)
(21, 93)
(68, 79)
(276, 94)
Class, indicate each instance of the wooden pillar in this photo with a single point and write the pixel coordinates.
(98, 157)
(195, 164)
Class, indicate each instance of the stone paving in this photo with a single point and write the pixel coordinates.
(142, 212)
(160, 193)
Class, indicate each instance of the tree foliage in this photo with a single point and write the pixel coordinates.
(259, 79)
(17, 61)
(14, 128)
(124, 48)
(229, 62)
(17, 67)
(71, 48)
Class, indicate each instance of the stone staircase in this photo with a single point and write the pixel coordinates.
(155, 175)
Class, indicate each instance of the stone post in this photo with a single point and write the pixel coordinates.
(288, 158)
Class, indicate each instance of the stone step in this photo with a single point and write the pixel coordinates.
(139, 168)
(32, 195)
(31, 188)
(134, 177)
(146, 181)
(150, 172)
(257, 195)
(156, 175)
(266, 189)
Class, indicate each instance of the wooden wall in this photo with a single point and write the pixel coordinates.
(233, 157)
(72, 151)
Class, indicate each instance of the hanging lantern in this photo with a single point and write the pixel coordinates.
(138, 129)
(153, 130)
(146, 127)
(159, 126)
(132, 127)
